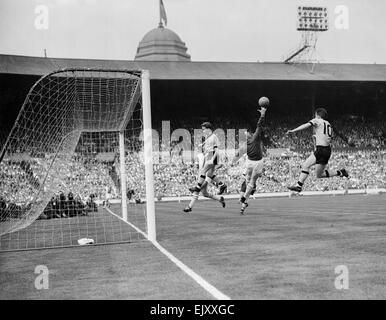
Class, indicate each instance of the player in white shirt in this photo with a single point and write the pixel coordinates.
(206, 172)
(322, 134)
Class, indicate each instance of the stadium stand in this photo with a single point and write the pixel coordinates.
(96, 175)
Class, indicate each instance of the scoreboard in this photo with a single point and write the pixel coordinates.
(312, 19)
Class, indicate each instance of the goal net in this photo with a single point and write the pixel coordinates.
(77, 165)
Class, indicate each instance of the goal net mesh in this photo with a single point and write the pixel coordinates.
(60, 166)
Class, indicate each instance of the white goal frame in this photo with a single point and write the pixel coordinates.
(143, 78)
(148, 159)
(148, 156)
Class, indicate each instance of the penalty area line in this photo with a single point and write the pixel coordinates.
(196, 277)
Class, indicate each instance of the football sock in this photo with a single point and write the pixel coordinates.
(248, 192)
(253, 190)
(194, 199)
(303, 176)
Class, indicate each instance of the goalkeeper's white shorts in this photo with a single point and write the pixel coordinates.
(253, 169)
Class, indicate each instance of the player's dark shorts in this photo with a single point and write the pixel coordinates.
(322, 154)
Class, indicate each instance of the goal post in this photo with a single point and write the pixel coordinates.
(122, 174)
(74, 164)
(148, 156)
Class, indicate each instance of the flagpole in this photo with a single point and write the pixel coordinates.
(160, 15)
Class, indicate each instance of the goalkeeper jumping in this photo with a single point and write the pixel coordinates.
(254, 165)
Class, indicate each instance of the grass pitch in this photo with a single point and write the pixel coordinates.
(283, 248)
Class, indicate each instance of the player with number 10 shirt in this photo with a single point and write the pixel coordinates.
(323, 134)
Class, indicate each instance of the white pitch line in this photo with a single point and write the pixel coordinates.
(196, 277)
(130, 224)
(201, 281)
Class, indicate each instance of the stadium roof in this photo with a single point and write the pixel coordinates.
(184, 70)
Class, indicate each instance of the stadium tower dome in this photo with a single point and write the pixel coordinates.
(162, 44)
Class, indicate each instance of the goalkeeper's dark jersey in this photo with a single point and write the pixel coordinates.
(255, 144)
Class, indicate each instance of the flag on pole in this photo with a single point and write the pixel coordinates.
(162, 13)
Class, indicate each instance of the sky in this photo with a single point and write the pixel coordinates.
(213, 30)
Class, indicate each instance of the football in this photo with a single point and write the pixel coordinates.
(264, 102)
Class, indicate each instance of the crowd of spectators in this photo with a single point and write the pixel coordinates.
(365, 161)
(63, 206)
(84, 180)
(81, 176)
(173, 178)
(77, 185)
(362, 132)
(366, 168)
